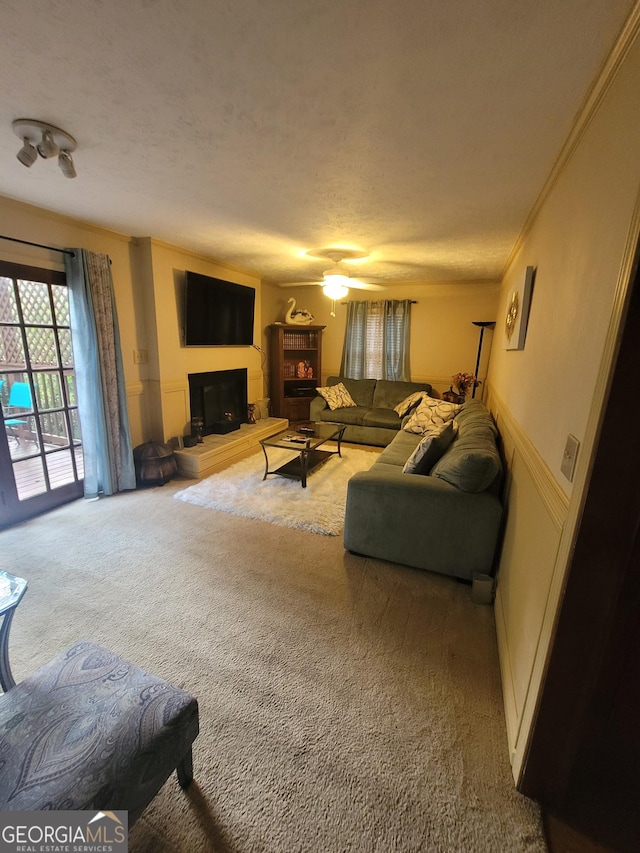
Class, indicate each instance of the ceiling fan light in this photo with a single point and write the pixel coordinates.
(336, 273)
(334, 288)
(28, 154)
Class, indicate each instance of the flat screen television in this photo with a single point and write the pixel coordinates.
(217, 313)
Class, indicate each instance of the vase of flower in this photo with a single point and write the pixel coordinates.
(452, 396)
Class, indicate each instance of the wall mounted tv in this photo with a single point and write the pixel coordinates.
(217, 313)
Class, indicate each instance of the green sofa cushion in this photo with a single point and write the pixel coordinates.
(472, 463)
(399, 450)
(382, 418)
(349, 415)
(473, 415)
(360, 389)
(388, 394)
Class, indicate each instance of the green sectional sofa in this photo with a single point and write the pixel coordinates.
(372, 420)
(447, 520)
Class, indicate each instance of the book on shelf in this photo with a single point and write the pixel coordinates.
(300, 340)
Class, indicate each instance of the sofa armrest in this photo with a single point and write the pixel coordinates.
(317, 406)
(421, 521)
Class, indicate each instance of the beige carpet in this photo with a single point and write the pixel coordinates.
(346, 704)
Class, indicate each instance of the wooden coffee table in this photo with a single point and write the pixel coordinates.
(306, 447)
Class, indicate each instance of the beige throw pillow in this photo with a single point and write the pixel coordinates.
(430, 450)
(409, 402)
(336, 396)
(431, 414)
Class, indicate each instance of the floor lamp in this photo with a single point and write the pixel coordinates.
(483, 324)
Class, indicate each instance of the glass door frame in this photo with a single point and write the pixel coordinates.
(12, 508)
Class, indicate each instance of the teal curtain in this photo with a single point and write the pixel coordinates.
(396, 326)
(376, 343)
(102, 401)
(353, 364)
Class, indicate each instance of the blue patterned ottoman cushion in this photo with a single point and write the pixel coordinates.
(91, 731)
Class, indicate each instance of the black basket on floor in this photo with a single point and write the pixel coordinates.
(155, 464)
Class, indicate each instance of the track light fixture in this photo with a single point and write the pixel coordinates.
(39, 137)
(28, 154)
(65, 161)
(47, 148)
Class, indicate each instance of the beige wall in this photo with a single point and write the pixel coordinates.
(443, 339)
(148, 278)
(170, 362)
(31, 223)
(580, 241)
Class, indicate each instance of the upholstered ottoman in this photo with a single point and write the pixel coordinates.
(91, 731)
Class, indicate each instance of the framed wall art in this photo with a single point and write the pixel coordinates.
(516, 316)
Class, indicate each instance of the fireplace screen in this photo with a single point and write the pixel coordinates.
(219, 397)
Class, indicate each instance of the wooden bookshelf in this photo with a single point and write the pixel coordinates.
(295, 368)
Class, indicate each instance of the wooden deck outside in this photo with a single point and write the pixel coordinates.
(28, 467)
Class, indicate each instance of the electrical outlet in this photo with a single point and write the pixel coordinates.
(140, 356)
(569, 457)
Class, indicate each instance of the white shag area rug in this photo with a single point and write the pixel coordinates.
(240, 490)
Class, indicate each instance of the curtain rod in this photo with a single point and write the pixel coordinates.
(411, 302)
(39, 245)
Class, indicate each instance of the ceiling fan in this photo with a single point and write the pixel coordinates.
(336, 280)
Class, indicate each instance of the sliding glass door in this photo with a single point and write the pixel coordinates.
(41, 462)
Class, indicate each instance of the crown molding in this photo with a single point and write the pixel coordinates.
(55, 216)
(589, 108)
(209, 259)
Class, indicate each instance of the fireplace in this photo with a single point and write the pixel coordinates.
(219, 397)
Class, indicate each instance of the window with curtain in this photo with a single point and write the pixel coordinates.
(376, 343)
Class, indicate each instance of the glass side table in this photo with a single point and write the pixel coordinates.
(11, 591)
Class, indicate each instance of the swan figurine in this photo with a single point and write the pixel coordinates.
(297, 316)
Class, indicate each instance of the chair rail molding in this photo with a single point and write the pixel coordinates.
(134, 389)
(554, 497)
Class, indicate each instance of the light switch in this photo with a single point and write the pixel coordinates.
(140, 356)
(569, 457)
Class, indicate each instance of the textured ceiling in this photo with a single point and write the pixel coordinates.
(420, 131)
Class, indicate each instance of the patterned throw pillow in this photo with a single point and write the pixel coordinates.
(430, 450)
(409, 402)
(337, 396)
(431, 414)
